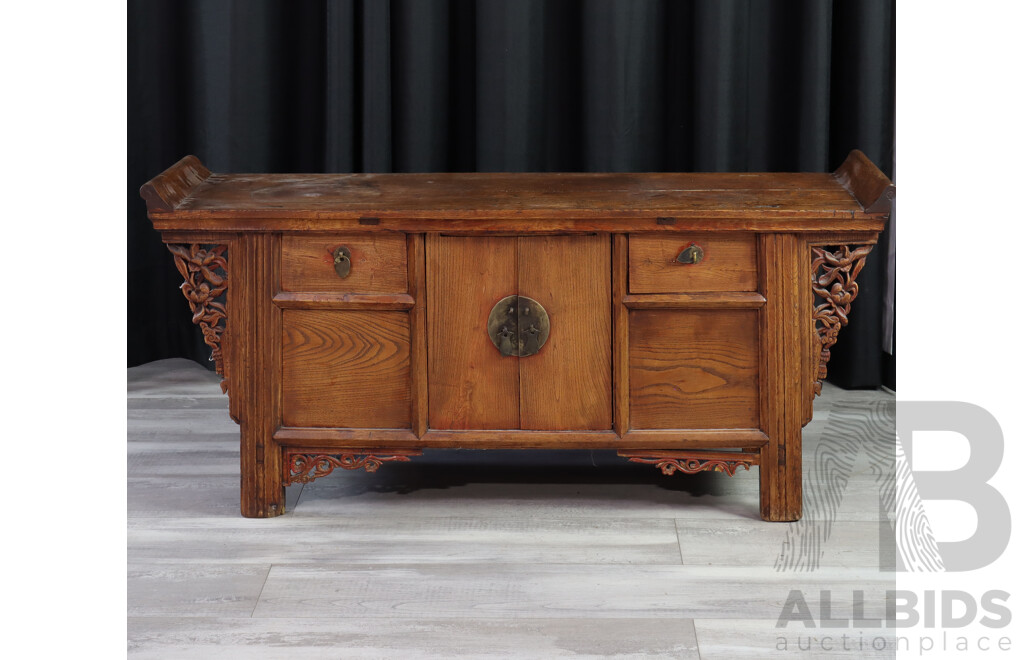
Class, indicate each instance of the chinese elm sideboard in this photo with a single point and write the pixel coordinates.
(683, 320)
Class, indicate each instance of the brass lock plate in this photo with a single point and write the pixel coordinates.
(691, 254)
(342, 261)
(519, 326)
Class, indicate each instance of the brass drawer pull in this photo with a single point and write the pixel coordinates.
(342, 261)
(518, 326)
(691, 254)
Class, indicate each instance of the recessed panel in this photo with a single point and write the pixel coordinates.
(693, 369)
(347, 369)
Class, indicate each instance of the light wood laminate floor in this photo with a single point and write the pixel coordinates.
(466, 554)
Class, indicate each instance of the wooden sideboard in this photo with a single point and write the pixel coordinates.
(683, 320)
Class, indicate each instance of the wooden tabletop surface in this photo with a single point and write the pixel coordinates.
(857, 194)
(547, 193)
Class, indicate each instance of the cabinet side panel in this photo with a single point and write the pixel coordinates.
(346, 369)
(470, 384)
(693, 369)
(568, 384)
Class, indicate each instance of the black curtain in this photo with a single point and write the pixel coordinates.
(501, 85)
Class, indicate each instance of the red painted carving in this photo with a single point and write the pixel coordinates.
(303, 467)
(694, 462)
(834, 276)
(206, 279)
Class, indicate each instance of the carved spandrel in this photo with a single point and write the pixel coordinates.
(834, 283)
(692, 462)
(205, 271)
(303, 467)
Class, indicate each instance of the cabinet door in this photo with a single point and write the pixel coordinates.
(470, 384)
(568, 384)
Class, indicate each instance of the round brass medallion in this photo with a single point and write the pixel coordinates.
(518, 326)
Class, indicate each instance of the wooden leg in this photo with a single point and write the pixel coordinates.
(256, 349)
(784, 263)
(781, 487)
(262, 489)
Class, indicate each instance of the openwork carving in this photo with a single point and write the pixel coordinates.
(303, 467)
(833, 276)
(205, 287)
(696, 462)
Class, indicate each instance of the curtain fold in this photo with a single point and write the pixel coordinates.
(501, 85)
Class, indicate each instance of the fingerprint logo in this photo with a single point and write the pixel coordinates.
(867, 429)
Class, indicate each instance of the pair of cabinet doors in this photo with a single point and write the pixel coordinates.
(567, 384)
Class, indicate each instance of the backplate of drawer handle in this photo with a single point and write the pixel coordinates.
(691, 254)
(342, 261)
(518, 326)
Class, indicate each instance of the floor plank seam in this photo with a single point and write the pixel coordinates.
(679, 541)
(263, 586)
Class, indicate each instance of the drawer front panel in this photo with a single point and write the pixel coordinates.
(346, 369)
(729, 263)
(694, 369)
(378, 263)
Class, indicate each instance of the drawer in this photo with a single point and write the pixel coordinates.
(378, 263)
(729, 263)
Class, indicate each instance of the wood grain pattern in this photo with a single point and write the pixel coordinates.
(166, 190)
(256, 349)
(693, 369)
(378, 301)
(378, 263)
(513, 591)
(723, 300)
(288, 195)
(576, 221)
(418, 332)
(868, 185)
(470, 384)
(729, 264)
(782, 393)
(346, 369)
(620, 336)
(326, 440)
(751, 439)
(568, 384)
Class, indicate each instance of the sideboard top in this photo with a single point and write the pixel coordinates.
(188, 193)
